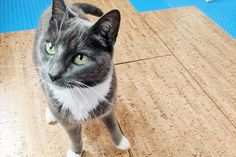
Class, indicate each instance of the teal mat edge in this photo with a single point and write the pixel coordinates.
(222, 12)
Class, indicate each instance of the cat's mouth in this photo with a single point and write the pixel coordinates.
(58, 84)
(81, 84)
(68, 84)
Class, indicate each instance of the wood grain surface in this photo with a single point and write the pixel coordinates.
(176, 90)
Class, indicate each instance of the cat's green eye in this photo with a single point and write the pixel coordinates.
(50, 48)
(80, 59)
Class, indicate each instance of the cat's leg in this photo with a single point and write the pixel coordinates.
(118, 138)
(75, 134)
(50, 118)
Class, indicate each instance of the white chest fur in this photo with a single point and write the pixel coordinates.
(80, 101)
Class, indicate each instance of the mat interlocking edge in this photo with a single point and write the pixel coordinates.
(176, 93)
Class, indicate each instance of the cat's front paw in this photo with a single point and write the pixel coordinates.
(50, 117)
(124, 144)
(70, 153)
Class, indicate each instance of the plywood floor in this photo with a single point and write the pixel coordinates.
(176, 98)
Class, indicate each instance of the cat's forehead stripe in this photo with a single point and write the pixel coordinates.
(82, 23)
(60, 49)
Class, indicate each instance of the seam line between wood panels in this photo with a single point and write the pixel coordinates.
(129, 150)
(120, 63)
(156, 33)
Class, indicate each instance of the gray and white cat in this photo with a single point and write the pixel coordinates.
(74, 59)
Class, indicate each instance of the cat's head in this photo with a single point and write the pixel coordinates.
(75, 50)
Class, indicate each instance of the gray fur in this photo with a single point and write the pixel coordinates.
(68, 28)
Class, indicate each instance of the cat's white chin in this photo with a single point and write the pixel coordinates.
(124, 144)
(49, 116)
(81, 101)
(70, 153)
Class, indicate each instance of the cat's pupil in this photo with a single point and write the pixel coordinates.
(81, 57)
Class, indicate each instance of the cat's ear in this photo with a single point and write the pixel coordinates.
(108, 26)
(60, 11)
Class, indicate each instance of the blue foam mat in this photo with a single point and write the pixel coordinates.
(17, 15)
(222, 12)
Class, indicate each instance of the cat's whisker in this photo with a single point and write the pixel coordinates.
(41, 82)
(31, 67)
(33, 81)
(74, 93)
(38, 85)
(98, 94)
(32, 70)
(24, 90)
(87, 103)
(95, 117)
(28, 86)
(63, 113)
(30, 73)
(37, 77)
